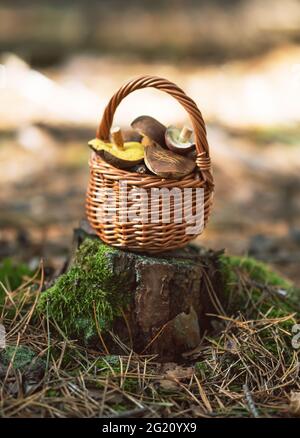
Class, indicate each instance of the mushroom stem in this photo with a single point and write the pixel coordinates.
(146, 141)
(185, 134)
(117, 137)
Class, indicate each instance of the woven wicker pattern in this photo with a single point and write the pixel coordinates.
(150, 237)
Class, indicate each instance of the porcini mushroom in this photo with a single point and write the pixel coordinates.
(149, 127)
(131, 135)
(179, 141)
(165, 163)
(119, 153)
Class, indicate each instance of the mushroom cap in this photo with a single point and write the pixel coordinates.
(132, 154)
(175, 143)
(165, 163)
(151, 128)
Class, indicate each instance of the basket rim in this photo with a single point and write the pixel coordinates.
(97, 163)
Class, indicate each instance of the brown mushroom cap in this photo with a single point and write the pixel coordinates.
(165, 163)
(179, 140)
(151, 128)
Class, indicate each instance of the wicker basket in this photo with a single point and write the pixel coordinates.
(134, 235)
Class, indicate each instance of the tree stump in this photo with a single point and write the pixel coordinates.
(155, 304)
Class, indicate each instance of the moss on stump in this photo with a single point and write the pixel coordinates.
(91, 291)
(152, 302)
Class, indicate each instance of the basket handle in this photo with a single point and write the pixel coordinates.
(203, 159)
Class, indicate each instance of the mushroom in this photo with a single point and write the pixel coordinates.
(179, 141)
(149, 127)
(140, 168)
(119, 154)
(165, 163)
(131, 135)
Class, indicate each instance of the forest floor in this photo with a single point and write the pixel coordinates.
(246, 366)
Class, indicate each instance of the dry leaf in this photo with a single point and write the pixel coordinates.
(180, 373)
(231, 346)
(174, 373)
(168, 385)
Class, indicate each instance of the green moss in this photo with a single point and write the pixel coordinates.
(2, 296)
(257, 270)
(131, 385)
(52, 393)
(109, 363)
(91, 290)
(22, 356)
(202, 369)
(255, 290)
(118, 407)
(11, 276)
(249, 283)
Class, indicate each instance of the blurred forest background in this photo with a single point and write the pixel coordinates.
(62, 60)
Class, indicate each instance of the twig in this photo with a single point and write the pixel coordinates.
(250, 402)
